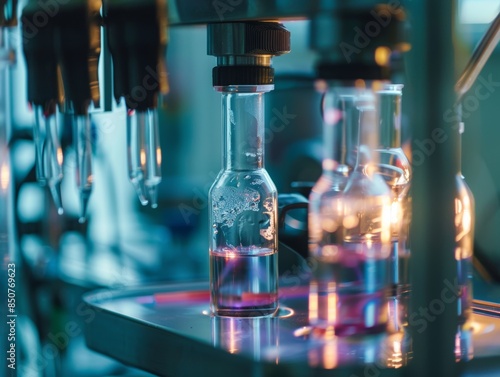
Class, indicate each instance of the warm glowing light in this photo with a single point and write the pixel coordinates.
(60, 156)
(321, 86)
(332, 116)
(4, 177)
(396, 212)
(143, 157)
(360, 84)
(233, 347)
(403, 46)
(332, 302)
(396, 346)
(350, 221)
(329, 164)
(466, 221)
(330, 357)
(458, 211)
(330, 251)
(231, 255)
(329, 225)
(385, 233)
(382, 55)
(158, 156)
(313, 302)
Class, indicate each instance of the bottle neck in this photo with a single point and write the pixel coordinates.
(367, 137)
(390, 117)
(243, 117)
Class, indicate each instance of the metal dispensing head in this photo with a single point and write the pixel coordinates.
(78, 45)
(357, 41)
(43, 96)
(137, 39)
(38, 46)
(244, 51)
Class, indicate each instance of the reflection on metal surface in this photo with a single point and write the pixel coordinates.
(464, 350)
(179, 313)
(377, 351)
(250, 335)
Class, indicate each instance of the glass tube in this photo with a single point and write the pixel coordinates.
(49, 156)
(144, 154)
(243, 213)
(83, 147)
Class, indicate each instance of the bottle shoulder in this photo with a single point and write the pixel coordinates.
(240, 180)
(362, 184)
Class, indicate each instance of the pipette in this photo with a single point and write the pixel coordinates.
(137, 42)
(144, 154)
(49, 156)
(78, 45)
(82, 139)
(136, 153)
(43, 96)
(153, 157)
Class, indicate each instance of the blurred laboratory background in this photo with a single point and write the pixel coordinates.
(123, 243)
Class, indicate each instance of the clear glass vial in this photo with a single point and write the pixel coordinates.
(353, 253)
(243, 212)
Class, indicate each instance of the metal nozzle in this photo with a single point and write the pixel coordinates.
(244, 51)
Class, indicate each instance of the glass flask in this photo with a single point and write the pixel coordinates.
(350, 282)
(464, 238)
(243, 212)
(395, 168)
(339, 143)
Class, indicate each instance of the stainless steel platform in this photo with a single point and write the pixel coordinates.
(167, 330)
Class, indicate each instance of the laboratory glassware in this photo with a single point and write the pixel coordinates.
(137, 39)
(395, 169)
(350, 281)
(243, 213)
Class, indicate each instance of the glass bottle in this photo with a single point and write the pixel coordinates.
(339, 143)
(395, 169)
(354, 250)
(243, 212)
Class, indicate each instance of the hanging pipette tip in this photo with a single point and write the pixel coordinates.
(55, 190)
(153, 196)
(84, 203)
(141, 192)
(83, 148)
